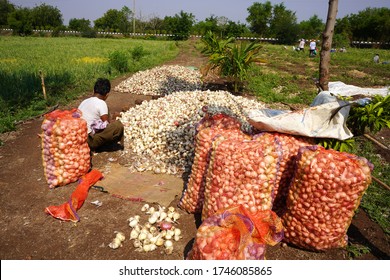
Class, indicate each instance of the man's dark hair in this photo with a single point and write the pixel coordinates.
(102, 86)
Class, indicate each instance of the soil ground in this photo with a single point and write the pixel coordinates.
(26, 232)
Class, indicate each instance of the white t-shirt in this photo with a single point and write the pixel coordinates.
(312, 45)
(92, 108)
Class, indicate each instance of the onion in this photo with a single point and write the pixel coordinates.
(255, 162)
(208, 128)
(165, 225)
(319, 210)
(235, 234)
(65, 154)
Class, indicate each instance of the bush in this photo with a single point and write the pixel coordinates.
(119, 61)
(88, 33)
(138, 52)
(231, 59)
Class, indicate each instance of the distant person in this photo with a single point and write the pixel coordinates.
(312, 48)
(102, 131)
(302, 45)
(376, 58)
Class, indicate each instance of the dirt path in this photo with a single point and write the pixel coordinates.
(28, 233)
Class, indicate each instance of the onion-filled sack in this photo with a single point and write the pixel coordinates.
(241, 172)
(289, 146)
(208, 128)
(325, 192)
(236, 234)
(65, 151)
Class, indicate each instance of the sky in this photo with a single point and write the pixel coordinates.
(235, 10)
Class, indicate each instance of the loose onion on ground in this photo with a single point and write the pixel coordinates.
(326, 190)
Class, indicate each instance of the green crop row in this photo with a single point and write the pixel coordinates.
(69, 67)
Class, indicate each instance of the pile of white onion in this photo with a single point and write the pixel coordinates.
(65, 151)
(326, 190)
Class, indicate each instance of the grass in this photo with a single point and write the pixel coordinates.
(376, 199)
(70, 67)
(289, 75)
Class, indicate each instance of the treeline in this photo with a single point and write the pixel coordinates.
(263, 20)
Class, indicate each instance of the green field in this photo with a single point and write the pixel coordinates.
(69, 66)
(289, 75)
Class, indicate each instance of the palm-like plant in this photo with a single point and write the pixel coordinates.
(231, 59)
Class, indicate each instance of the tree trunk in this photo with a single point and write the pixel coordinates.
(327, 37)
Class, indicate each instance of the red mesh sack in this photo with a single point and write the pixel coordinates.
(325, 192)
(68, 210)
(208, 128)
(65, 151)
(241, 172)
(289, 146)
(236, 234)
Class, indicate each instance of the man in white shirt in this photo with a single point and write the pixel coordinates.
(101, 130)
(312, 47)
(302, 45)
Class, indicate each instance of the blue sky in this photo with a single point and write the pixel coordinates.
(235, 10)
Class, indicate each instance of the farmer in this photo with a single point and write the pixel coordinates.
(376, 58)
(312, 48)
(302, 45)
(102, 131)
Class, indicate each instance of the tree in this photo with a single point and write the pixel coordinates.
(312, 28)
(209, 24)
(46, 16)
(155, 23)
(283, 24)
(259, 17)
(115, 20)
(276, 21)
(371, 24)
(20, 21)
(180, 25)
(79, 24)
(82, 25)
(5, 9)
(327, 44)
(342, 33)
(234, 29)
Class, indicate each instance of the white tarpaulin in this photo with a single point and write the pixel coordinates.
(340, 88)
(322, 121)
(325, 118)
